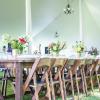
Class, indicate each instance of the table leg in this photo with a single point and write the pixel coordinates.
(19, 81)
(1, 97)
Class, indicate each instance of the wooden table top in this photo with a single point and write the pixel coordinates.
(31, 58)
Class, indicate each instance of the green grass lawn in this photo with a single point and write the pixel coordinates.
(92, 96)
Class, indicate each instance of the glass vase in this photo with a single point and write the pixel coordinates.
(55, 53)
(79, 55)
(15, 52)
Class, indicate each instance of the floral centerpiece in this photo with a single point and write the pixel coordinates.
(56, 47)
(79, 47)
(17, 45)
(93, 51)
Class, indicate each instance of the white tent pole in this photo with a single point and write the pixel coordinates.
(28, 17)
(28, 22)
(80, 21)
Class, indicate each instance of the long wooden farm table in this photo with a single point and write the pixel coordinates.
(21, 61)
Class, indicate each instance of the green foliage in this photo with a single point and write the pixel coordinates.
(79, 47)
(14, 44)
(57, 46)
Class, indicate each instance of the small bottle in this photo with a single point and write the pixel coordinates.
(9, 49)
(4, 49)
(47, 50)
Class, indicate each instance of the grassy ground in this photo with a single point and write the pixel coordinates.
(92, 96)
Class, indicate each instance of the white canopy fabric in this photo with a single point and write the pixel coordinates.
(48, 17)
(12, 16)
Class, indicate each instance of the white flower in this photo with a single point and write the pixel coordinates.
(6, 38)
(79, 47)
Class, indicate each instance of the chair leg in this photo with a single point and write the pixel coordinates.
(48, 86)
(52, 87)
(84, 81)
(4, 84)
(5, 88)
(91, 81)
(98, 80)
(64, 87)
(35, 88)
(77, 85)
(72, 84)
(61, 86)
(1, 97)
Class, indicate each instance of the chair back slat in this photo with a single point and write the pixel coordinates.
(77, 63)
(45, 62)
(88, 61)
(99, 62)
(95, 63)
(59, 62)
(70, 62)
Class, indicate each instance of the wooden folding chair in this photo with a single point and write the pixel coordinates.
(73, 75)
(66, 77)
(43, 66)
(97, 70)
(29, 77)
(56, 77)
(88, 72)
(79, 78)
(83, 70)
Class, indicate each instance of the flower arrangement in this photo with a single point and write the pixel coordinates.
(18, 44)
(79, 47)
(56, 47)
(93, 51)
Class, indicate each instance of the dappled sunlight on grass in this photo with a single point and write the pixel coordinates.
(91, 98)
(92, 95)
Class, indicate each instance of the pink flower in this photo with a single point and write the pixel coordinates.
(22, 40)
(50, 45)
